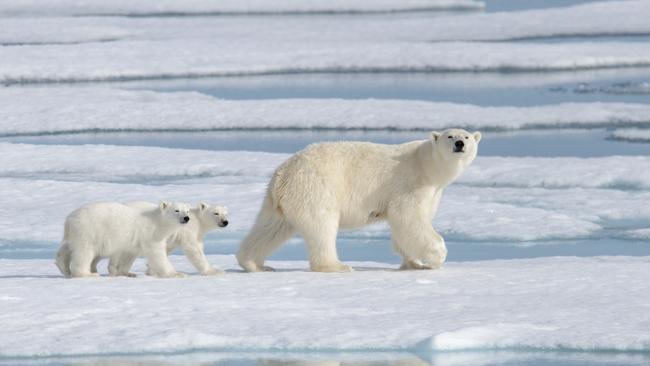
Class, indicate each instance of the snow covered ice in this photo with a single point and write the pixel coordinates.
(198, 7)
(631, 134)
(468, 306)
(115, 48)
(522, 191)
(36, 110)
(75, 72)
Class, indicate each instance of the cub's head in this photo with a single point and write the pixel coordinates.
(176, 211)
(456, 144)
(215, 214)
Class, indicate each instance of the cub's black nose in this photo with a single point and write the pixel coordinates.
(186, 218)
(224, 223)
(459, 144)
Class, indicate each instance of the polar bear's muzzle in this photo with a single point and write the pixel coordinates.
(185, 219)
(459, 146)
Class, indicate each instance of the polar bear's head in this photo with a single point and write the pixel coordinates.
(456, 144)
(213, 214)
(175, 211)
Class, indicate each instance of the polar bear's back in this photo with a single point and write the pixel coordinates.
(347, 177)
(100, 223)
(333, 159)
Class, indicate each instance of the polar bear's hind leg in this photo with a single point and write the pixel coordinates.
(269, 232)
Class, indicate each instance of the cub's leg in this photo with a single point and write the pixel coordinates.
(194, 252)
(158, 263)
(120, 264)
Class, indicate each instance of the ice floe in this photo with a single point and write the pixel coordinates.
(130, 60)
(533, 304)
(51, 110)
(632, 134)
(508, 198)
(610, 18)
(199, 7)
(20, 32)
(604, 18)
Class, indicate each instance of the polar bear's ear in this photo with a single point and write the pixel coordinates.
(164, 205)
(203, 206)
(477, 136)
(435, 135)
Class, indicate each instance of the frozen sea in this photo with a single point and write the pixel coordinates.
(548, 232)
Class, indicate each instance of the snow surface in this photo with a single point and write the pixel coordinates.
(592, 19)
(605, 18)
(198, 7)
(632, 134)
(131, 60)
(17, 32)
(643, 234)
(39, 110)
(68, 49)
(472, 305)
(513, 196)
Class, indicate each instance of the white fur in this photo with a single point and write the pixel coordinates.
(121, 233)
(332, 186)
(189, 237)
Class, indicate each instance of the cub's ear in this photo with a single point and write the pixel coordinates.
(203, 206)
(435, 135)
(164, 205)
(477, 136)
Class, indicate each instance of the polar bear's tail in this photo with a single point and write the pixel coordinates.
(269, 232)
(63, 259)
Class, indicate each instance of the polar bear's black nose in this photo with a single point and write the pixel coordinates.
(224, 222)
(186, 218)
(459, 144)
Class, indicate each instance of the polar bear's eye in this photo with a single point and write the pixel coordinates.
(449, 137)
(177, 211)
(466, 137)
(216, 213)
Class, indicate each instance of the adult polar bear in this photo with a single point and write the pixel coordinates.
(336, 185)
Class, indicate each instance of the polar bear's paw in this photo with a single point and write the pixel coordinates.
(333, 267)
(408, 265)
(167, 275)
(84, 274)
(250, 266)
(212, 272)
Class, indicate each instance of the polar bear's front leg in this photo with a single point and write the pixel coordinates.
(158, 263)
(410, 264)
(81, 259)
(194, 252)
(321, 245)
(120, 264)
(415, 240)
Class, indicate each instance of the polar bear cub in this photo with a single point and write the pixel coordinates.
(121, 233)
(334, 185)
(204, 218)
